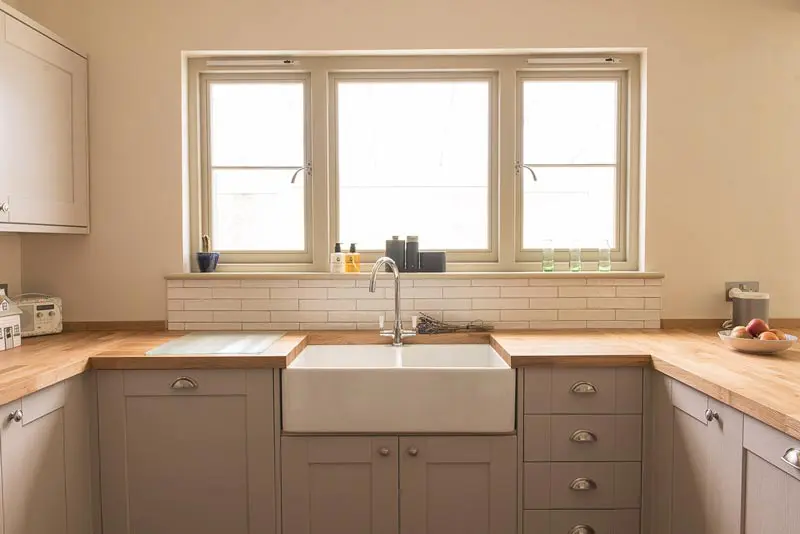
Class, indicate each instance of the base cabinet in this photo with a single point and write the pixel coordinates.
(407, 485)
(189, 452)
(45, 462)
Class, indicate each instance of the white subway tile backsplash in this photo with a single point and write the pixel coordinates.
(653, 282)
(213, 326)
(328, 305)
(270, 304)
(300, 316)
(174, 283)
(588, 291)
(499, 282)
(557, 325)
(645, 291)
(652, 304)
(385, 282)
(327, 326)
(354, 293)
(176, 326)
(226, 282)
(442, 304)
(212, 304)
(443, 282)
(241, 316)
(528, 315)
(530, 291)
(500, 304)
(301, 293)
(370, 317)
(615, 282)
(270, 326)
(473, 292)
(241, 292)
(188, 292)
(615, 303)
(269, 283)
(460, 316)
(638, 315)
(615, 324)
(190, 316)
(586, 315)
(557, 282)
(327, 283)
(416, 293)
(175, 305)
(512, 325)
(652, 324)
(381, 305)
(557, 303)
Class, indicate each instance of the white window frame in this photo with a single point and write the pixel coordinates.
(507, 72)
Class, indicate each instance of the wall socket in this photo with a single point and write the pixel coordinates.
(744, 286)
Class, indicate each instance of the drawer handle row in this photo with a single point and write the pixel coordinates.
(583, 388)
(184, 382)
(15, 416)
(583, 436)
(792, 457)
(583, 484)
(581, 529)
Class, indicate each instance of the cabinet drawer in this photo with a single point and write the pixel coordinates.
(185, 382)
(583, 438)
(556, 485)
(689, 400)
(772, 445)
(43, 402)
(583, 390)
(565, 521)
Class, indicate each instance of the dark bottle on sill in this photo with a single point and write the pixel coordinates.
(412, 254)
(396, 249)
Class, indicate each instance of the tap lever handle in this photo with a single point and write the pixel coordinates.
(414, 319)
(381, 321)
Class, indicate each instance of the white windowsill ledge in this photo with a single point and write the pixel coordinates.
(229, 275)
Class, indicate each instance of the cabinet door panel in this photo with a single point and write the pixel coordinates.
(458, 484)
(339, 484)
(43, 129)
(771, 499)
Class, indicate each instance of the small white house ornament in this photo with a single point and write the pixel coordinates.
(10, 323)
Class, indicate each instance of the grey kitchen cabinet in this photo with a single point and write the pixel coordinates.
(45, 461)
(190, 451)
(410, 485)
(339, 484)
(696, 462)
(772, 481)
(44, 169)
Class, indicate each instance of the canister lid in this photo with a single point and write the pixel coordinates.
(737, 293)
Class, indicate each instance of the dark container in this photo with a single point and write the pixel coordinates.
(207, 261)
(412, 254)
(432, 261)
(396, 249)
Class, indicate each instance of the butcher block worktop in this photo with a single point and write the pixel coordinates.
(764, 387)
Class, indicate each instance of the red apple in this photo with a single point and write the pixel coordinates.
(741, 332)
(768, 336)
(756, 327)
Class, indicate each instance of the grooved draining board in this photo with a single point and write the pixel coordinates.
(218, 344)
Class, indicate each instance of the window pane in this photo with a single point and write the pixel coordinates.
(569, 205)
(413, 158)
(568, 122)
(257, 210)
(257, 124)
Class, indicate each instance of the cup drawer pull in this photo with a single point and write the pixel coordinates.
(792, 457)
(184, 382)
(581, 529)
(582, 484)
(583, 388)
(583, 436)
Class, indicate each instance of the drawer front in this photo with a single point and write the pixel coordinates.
(43, 402)
(775, 447)
(186, 382)
(568, 521)
(583, 390)
(583, 438)
(581, 485)
(689, 401)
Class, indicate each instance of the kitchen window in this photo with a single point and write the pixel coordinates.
(486, 157)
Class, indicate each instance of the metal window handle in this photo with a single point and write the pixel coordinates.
(521, 166)
(581, 529)
(15, 416)
(384, 451)
(306, 168)
(413, 451)
(582, 484)
(184, 382)
(4, 207)
(583, 436)
(583, 388)
(711, 415)
(792, 457)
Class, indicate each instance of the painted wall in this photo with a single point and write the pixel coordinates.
(11, 262)
(723, 148)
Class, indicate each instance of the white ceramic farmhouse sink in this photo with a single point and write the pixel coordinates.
(414, 388)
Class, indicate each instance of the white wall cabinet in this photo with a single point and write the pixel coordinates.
(44, 169)
(45, 461)
(187, 452)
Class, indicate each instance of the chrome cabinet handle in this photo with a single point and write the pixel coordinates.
(4, 207)
(15, 416)
(581, 529)
(184, 382)
(384, 451)
(583, 436)
(413, 451)
(582, 484)
(583, 388)
(792, 457)
(711, 415)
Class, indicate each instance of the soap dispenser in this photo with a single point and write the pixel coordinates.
(352, 260)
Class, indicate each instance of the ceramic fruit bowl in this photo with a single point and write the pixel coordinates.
(756, 346)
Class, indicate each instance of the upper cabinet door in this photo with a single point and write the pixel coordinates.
(43, 131)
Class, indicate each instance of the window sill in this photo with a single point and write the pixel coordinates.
(229, 275)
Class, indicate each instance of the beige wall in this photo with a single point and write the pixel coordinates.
(11, 262)
(722, 158)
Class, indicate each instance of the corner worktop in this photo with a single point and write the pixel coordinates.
(764, 387)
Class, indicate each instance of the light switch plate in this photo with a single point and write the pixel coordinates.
(744, 286)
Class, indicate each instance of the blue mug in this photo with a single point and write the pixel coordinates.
(207, 261)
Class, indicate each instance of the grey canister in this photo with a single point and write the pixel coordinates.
(396, 249)
(412, 254)
(432, 261)
(749, 305)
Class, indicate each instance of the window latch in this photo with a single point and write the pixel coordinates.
(306, 168)
(521, 166)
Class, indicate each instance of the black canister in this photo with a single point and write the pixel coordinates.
(412, 254)
(396, 249)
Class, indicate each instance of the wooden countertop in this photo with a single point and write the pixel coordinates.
(764, 387)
